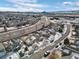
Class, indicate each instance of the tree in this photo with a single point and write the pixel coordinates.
(60, 30)
(21, 54)
(66, 41)
(55, 55)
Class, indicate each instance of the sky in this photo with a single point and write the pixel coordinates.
(39, 5)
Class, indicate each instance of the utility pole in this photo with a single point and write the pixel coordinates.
(5, 28)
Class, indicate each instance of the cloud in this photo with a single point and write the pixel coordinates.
(71, 3)
(27, 3)
(7, 9)
(20, 9)
(67, 3)
(24, 5)
(22, 1)
(30, 5)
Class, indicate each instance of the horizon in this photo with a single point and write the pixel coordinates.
(38, 5)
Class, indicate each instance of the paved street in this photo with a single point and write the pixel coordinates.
(39, 54)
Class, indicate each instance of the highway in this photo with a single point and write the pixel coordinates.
(6, 36)
(40, 53)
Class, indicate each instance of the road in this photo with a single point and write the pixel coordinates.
(6, 36)
(72, 49)
(40, 53)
